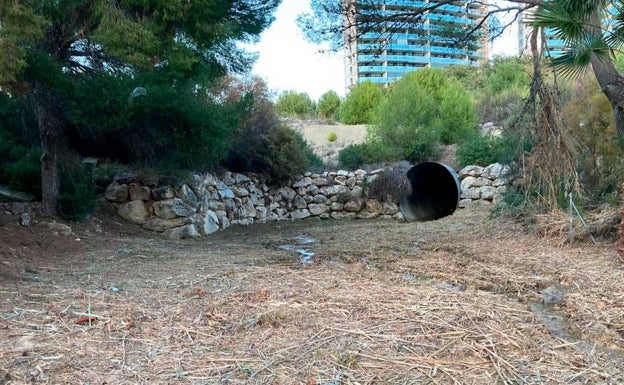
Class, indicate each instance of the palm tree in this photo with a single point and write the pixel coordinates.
(594, 33)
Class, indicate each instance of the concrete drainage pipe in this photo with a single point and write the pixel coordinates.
(435, 192)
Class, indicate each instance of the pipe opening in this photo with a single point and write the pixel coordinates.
(435, 192)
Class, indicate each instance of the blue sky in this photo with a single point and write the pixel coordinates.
(288, 62)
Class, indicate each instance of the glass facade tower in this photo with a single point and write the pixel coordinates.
(393, 37)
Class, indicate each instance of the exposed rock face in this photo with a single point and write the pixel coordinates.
(210, 203)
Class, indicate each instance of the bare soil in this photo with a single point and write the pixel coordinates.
(318, 134)
(467, 299)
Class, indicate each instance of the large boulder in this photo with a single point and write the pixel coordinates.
(188, 195)
(207, 223)
(159, 225)
(117, 193)
(138, 192)
(133, 211)
(172, 208)
(186, 231)
(163, 192)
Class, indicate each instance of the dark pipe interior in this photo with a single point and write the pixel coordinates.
(435, 192)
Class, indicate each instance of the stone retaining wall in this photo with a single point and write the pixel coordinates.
(484, 184)
(212, 203)
(21, 212)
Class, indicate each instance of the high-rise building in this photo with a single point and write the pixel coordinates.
(553, 45)
(384, 42)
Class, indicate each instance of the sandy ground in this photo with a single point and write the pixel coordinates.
(467, 299)
(317, 134)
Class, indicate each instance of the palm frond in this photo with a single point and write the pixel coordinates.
(581, 8)
(614, 31)
(557, 18)
(568, 65)
(576, 60)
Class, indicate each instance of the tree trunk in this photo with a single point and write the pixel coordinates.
(50, 134)
(609, 79)
(612, 84)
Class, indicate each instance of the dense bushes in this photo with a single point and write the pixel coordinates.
(358, 106)
(422, 110)
(262, 143)
(358, 155)
(481, 150)
(328, 106)
(174, 127)
(19, 153)
(295, 104)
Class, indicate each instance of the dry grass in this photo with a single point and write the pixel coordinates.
(444, 302)
(564, 227)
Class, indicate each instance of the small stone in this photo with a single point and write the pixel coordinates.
(25, 219)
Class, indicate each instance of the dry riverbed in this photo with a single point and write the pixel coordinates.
(463, 300)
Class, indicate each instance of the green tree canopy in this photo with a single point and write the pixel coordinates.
(506, 74)
(46, 43)
(295, 104)
(328, 105)
(423, 108)
(359, 104)
(591, 39)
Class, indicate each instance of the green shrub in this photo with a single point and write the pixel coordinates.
(77, 199)
(484, 150)
(353, 156)
(359, 155)
(457, 115)
(24, 173)
(284, 156)
(295, 104)
(328, 105)
(263, 144)
(508, 74)
(358, 106)
(332, 137)
(423, 109)
(479, 150)
(423, 147)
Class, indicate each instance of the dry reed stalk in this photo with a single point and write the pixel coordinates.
(411, 307)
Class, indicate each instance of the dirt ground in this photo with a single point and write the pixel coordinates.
(467, 299)
(316, 135)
